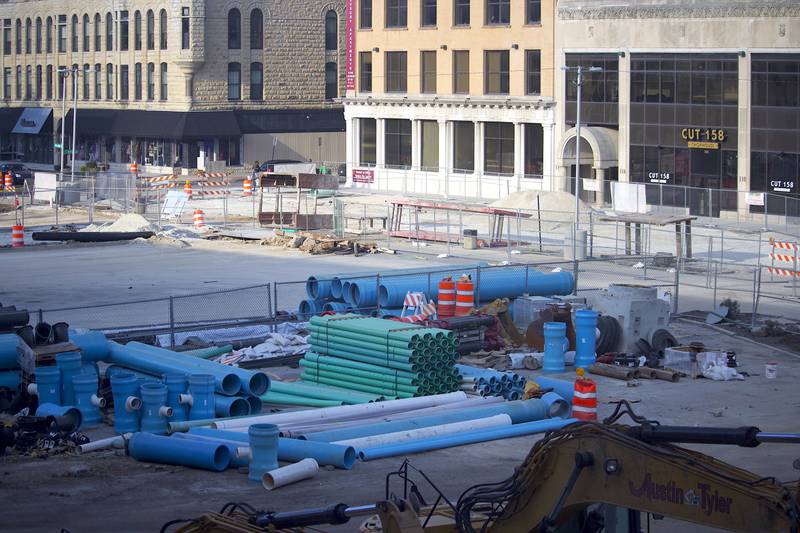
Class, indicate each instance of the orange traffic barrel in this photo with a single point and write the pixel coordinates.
(17, 236)
(247, 187)
(134, 168)
(187, 189)
(9, 182)
(465, 296)
(447, 298)
(199, 219)
(584, 400)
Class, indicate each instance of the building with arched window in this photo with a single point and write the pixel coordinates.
(222, 84)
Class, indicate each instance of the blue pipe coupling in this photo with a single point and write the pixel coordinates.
(69, 363)
(155, 410)
(171, 451)
(201, 397)
(263, 450)
(554, 335)
(48, 384)
(93, 345)
(177, 384)
(127, 402)
(87, 400)
(585, 327)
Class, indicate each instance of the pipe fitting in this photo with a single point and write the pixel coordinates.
(33, 390)
(165, 411)
(98, 401)
(133, 403)
(185, 399)
(243, 452)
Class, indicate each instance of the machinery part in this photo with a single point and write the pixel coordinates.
(67, 418)
(333, 514)
(90, 236)
(11, 317)
(661, 340)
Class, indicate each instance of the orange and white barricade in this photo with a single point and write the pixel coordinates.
(134, 168)
(447, 297)
(247, 187)
(17, 236)
(187, 189)
(9, 182)
(418, 304)
(465, 295)
(199, 219)
(584, 399)
(781, 257)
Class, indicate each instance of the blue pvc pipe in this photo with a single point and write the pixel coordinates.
(93, 344)
(125, 385)
(585, 329)
(563, 388)
(460, 439)
(201, 387)
(293, 450)
(255, 404)
(336, 307)
(8, 351)
(227, 406)
(346, 293)
(318, 289)
(69, 363)
(227, 382)
(177, 385)
(9, 379)
(171, 451)
(252, 382)
(85, 386)
(548, 406)
(236, 461)
(309, 308)
(263, 450)
(554, 335)
(72, 414)
(336, 288)
(154, 397)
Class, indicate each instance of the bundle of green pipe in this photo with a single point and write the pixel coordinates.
(377, 356)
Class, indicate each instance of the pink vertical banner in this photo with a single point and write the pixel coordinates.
(350, 35)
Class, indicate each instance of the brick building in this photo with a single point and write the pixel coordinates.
(197, 82)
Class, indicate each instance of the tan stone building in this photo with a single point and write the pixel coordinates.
(197, 82)
(452, 97)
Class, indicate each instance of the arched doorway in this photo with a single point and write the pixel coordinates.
(598, 162)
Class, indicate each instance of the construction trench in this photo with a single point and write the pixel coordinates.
(458, 365)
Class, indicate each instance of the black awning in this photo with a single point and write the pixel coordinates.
(8, 119)
(175, 125)
(291, 121)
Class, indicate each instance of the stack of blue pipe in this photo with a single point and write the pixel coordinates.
(361, 293)
(490, 382)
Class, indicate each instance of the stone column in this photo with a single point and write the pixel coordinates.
(600, 177)
(380, 143)
(443, 166)
(479, 129)
(416, 145)
(743, 163)
(548, 168)
(350, 145)
(624, 117)
(519, 153)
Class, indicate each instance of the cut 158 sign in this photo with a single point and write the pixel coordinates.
(782, 185)
(658, 177)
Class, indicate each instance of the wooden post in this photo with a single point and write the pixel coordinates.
(688, 231)
(627, 238)
(678, 244)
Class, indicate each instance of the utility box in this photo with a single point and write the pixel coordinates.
(638, 309)
(470, 239)
(526, 309)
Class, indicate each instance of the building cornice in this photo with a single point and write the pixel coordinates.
(772, 9)
(450, 101)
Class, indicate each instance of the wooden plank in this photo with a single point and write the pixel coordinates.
(448, 206)
(312, 221)
(317, 181)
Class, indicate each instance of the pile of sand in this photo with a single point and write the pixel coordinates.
(548, 201)
(125, 223)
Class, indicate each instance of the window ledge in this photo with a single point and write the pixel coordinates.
(364, 29)
(533, 24)
(428, 28)
(396, 28)
(490, 25)
(461, 27)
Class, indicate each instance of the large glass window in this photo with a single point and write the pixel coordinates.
(186, 28)
(162, 30)
(498, 12)
(28, 82)
(151, 81)
(461, 71)
(234, 81)
(98, 82)
(367, 141)
(18, 34)
(428, 13)
(430, 144)
(599, 91)
(38, 82)
(151, 30)
(533, 11)
(62, 34)
(86, 81)
(164, 93)
(49, 82)
(428, 71)
(396, 13)
(123, 82)
(533, 71)
(331, 31)
(137, 30)
(98, 33)
(534, 150)
(123, 30)
(85, 34)
(234, 29)
(331, 81)
(461, 12)
(29, 36)
(256, 30)
(396, 72)
(137, 81)
(365, 72)
(39, 34)
(7, 83)
(49, 35)
(495, 71)
(365, 14)
(463, 147)
(498, 154)
(397, 141)
(110, 81)
(109, 32)
(256, 81)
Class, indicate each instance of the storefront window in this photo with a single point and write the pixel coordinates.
(534, 150)
(398, 143)
(599, 91)
(430, 145)
(463, 147)
(366, 142)
(499, 148)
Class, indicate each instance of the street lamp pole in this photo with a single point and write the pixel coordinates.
(64, 73)
(74, 119)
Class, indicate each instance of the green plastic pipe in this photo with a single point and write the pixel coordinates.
(279, 398)
(357, 365)
(316, 331)
(310, 391)
(374, 381)
(408, 367)
(313, 365)
(374, 326)
(208, 353)
(373, 346)
(354, 386)
(328, 347)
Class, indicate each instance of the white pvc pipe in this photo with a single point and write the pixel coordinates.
(466, 426)
(133, 403)
(110, 442)
(165, 411)
(97, 401)
(285, 475)
(33, 390)
(342, 412)
(243, 452)
(185, 399)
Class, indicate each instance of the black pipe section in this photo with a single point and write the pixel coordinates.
(60, 332)
(12, 318)
(43, 333)
(334, 514)
(91, 236)
(26, 334)
(746, 436)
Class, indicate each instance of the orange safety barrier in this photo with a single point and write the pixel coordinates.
(9, 182)
(187, 189)
(447, 298)
(199, 219)
(247, 187)
(465, 296)
(17, 236)
(584, 399)
(134, 168)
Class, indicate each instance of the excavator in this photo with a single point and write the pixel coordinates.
(586, 477)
